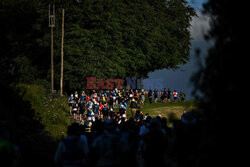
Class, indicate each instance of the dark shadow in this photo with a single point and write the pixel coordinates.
(36, 147)
(224, 64)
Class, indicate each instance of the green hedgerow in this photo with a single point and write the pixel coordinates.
(50, 109)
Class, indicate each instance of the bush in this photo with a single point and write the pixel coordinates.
(19, 121)
(50, 109)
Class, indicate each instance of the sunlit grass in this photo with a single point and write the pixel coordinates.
(170, 110)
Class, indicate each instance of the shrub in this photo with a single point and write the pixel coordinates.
(50, 109)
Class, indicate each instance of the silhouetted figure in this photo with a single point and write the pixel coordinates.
(169, 95)
(73, 149)
(10, 155)
(104, 148)
(182, 96)
(156, 143)
(156, 95)
(133, 106)
(150, 96)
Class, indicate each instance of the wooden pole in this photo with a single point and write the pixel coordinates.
(52, 57)
(61, 79)
(51, 25)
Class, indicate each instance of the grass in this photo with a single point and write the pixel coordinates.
(172, 110)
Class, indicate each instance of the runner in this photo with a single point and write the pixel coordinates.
(138, 115)
(136, 94)
(142, 97)
(73, 149)
(112, 113)
(175, 94)
(182, 96)
(110, 101)
(133, 106)
(83, 97)
(89, 114)
(122, 112)
(75, 109)
(90, 103)
(76, 96)
(169, 95)
(124, 103)
(130, 95)
(82, 106)
(96, 111)
(71, 101)
(114, 96)
(156, 95)
(103, 98)
(164, 95)
(150, 96)
(105, 111)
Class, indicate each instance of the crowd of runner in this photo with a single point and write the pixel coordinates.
(143, 142)
(102, 105)
(105, 137)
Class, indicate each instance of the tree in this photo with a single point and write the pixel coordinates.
(104, 38)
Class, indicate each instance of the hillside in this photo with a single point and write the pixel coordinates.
(171, 111)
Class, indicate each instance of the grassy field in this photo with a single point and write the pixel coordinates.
(171, 111)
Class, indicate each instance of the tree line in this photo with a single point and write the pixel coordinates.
(104, 38)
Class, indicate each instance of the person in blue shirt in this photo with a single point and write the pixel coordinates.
(90, 104)
(142, 94)
(89, 114)
(83, 97)
(96, 110)
(114, 96)
(122, 112)
(124, 104)
(71, 101)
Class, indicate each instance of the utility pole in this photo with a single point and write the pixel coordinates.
(52, 25)
(61, 79)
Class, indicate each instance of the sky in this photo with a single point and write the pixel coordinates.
(180, 80)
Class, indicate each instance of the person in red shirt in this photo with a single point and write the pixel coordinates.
(175, 94)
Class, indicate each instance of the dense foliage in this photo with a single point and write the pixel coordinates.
(34, 120)
(104, 38)
(51, 110)
(17, 120)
